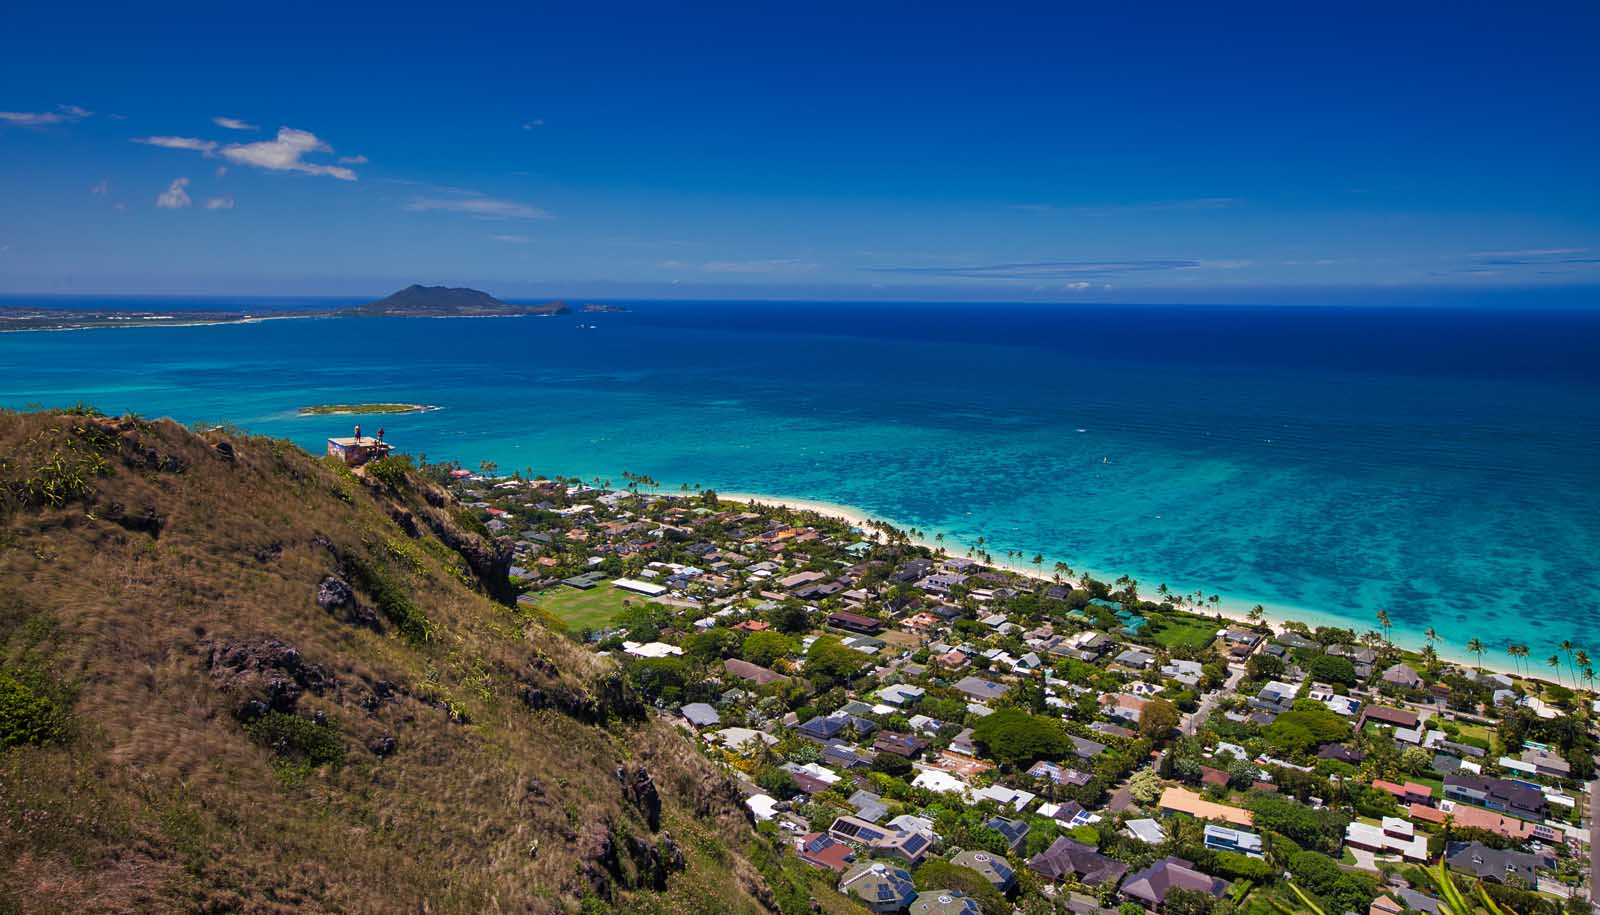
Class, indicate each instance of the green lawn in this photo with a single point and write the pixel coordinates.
(1172, 631)
(591, 609)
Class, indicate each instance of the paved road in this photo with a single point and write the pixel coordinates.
(1198, 716)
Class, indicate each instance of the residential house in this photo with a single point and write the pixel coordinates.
(944, 902)
(1222, 838)
(1498, 865)
(754, 673)
(1182, 800)
(1149, 887)
(1500, 794)
(1394, 717)
(1014, 831)
(885, 841)
(980, 689)
(825, 853)
(1070, 858)
(700, 715)
(880, 887)
(993, 868)
(1402, 675)
(1395, 836)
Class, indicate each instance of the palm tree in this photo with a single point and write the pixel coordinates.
(1475, 645)
(1555, 662)
(1387, 625)
(1256, 613)
(1062, 569)
(1431, 635)
(1511, 651)
(1568, 648)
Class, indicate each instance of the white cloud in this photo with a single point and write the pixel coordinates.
(64, 114)
(174, 197)
(479, 206)
(530, 125)
(1079, 285)
(233, 124)
(352, 160)
(286, 154)
(101, 188)
(190, 143)
(221, 170)
(513, 239)
(219, 203)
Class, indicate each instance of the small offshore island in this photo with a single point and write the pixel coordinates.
(364, 409)
(414, 301)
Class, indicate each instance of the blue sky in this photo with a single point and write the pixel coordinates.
(1185, 153)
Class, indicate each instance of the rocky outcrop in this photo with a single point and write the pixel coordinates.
(639, 789)
(144, 521)
(262, 675)
(334, 593)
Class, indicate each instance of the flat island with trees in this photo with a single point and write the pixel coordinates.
(362, 409)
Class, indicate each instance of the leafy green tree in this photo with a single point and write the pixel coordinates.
(1018, 738)
(1159, 719)
(1145, 786)
(711, 645)
(831, 660)
(1317, 830)
(765, 648)
(790, 617)
(1308, 726)
(1333, 669)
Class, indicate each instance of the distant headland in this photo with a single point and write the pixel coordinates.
(415, 301)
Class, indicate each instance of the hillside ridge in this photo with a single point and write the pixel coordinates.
(238, 678)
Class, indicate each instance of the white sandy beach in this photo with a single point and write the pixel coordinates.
(1235, 609)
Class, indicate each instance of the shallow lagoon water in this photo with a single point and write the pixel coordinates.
(1441, 465)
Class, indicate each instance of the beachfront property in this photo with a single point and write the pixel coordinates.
(843, 687)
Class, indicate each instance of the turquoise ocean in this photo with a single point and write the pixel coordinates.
(1443, 465)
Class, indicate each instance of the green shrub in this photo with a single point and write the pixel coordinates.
(298, 741)
(25, 716)
(392, 600)
(391, 470)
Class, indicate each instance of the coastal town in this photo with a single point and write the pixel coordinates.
(927, 731)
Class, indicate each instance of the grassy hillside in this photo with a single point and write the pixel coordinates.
(238, 678)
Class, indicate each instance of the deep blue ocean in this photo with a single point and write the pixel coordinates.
(1443, 465)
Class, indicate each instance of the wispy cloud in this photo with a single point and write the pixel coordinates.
(175, 197)
(352, 160)
(1044, 270)
(193, 144)
(513, 239)
(1534, 257)
(219, 203)
(533, 124)
(479, 206)
(233, 124)
(286, 153)
(101, 188)
(64, 114)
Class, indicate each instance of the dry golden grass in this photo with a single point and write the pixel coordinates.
(157, 800)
